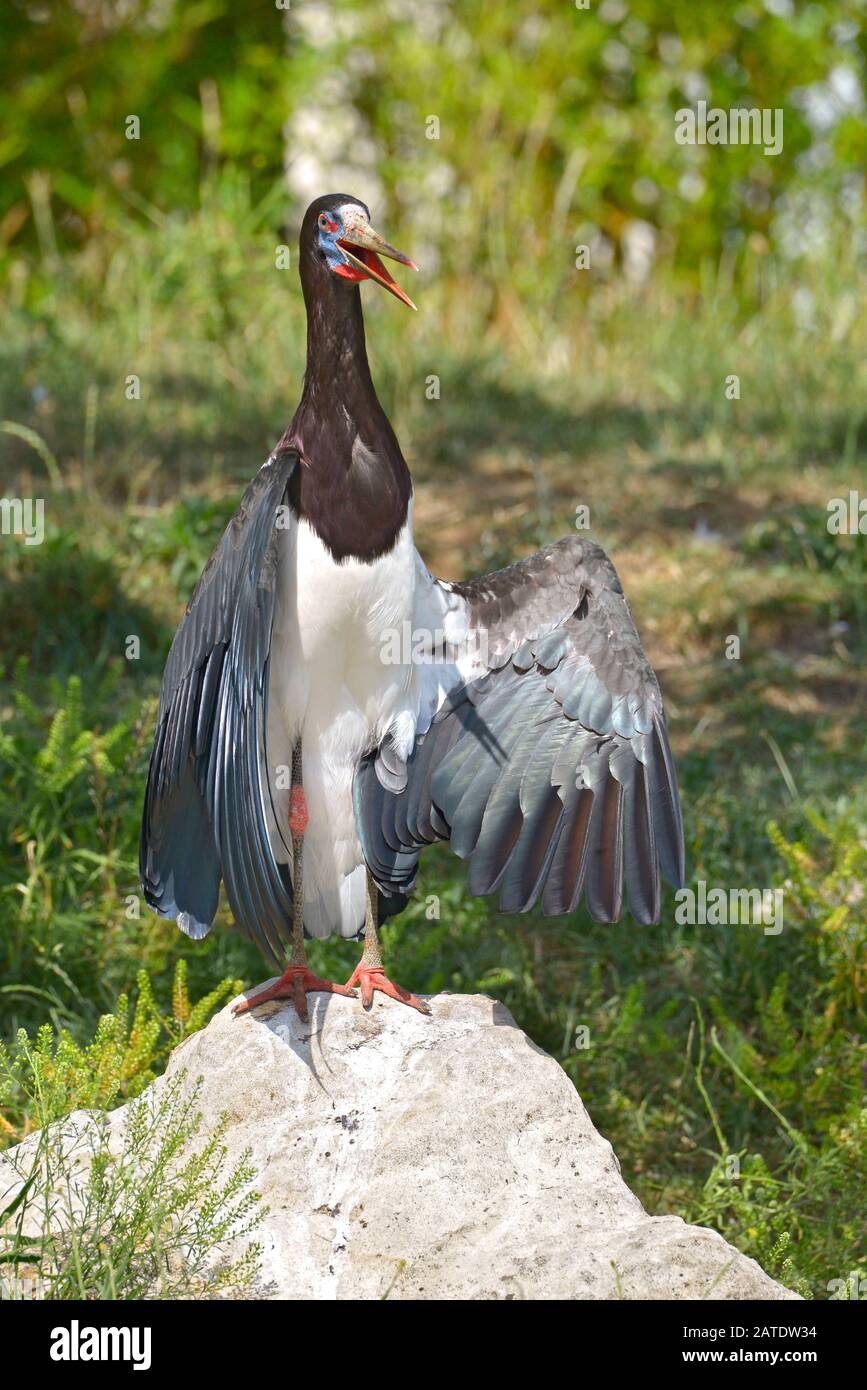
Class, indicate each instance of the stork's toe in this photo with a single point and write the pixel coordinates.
(370, 978)
(295, 983)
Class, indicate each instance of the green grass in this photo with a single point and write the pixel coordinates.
(710, 1052)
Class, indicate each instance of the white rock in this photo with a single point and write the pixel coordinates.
(436, 1158)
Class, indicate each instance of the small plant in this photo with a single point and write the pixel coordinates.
(132, 1212)
(44, 1078)
(103, 1212)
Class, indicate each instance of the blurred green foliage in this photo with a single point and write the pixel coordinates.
(554, 121)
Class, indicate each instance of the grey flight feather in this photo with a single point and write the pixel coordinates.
(208, 792)
(550, 772)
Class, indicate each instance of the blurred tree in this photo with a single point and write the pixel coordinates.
(204, 80)
(531, 126)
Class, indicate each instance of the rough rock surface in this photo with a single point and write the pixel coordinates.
(436, 1158)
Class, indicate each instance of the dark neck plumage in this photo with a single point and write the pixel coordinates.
(352, 485)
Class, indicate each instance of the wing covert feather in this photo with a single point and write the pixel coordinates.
(547, 765)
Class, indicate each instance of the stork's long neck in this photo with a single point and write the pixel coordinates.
(337, 377)
(353, 485)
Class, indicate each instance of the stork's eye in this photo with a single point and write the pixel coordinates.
(326, 223)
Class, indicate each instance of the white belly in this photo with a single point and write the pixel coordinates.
(340, 681)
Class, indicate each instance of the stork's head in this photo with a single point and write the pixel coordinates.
(337, 232)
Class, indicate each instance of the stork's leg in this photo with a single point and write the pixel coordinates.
(369, 974)
(297, 981)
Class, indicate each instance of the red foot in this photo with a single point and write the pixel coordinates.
(295, 984)
(298, 813)
(372, 977)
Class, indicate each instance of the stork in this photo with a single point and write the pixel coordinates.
(305, 752)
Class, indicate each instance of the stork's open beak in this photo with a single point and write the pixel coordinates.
(364, 259)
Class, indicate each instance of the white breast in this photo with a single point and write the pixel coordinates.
(341, 678)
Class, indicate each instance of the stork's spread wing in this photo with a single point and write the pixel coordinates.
(549, 769)
(207, 797)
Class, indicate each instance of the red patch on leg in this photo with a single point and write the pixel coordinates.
(298, 813)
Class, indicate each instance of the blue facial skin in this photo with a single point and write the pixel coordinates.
(328, 240)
